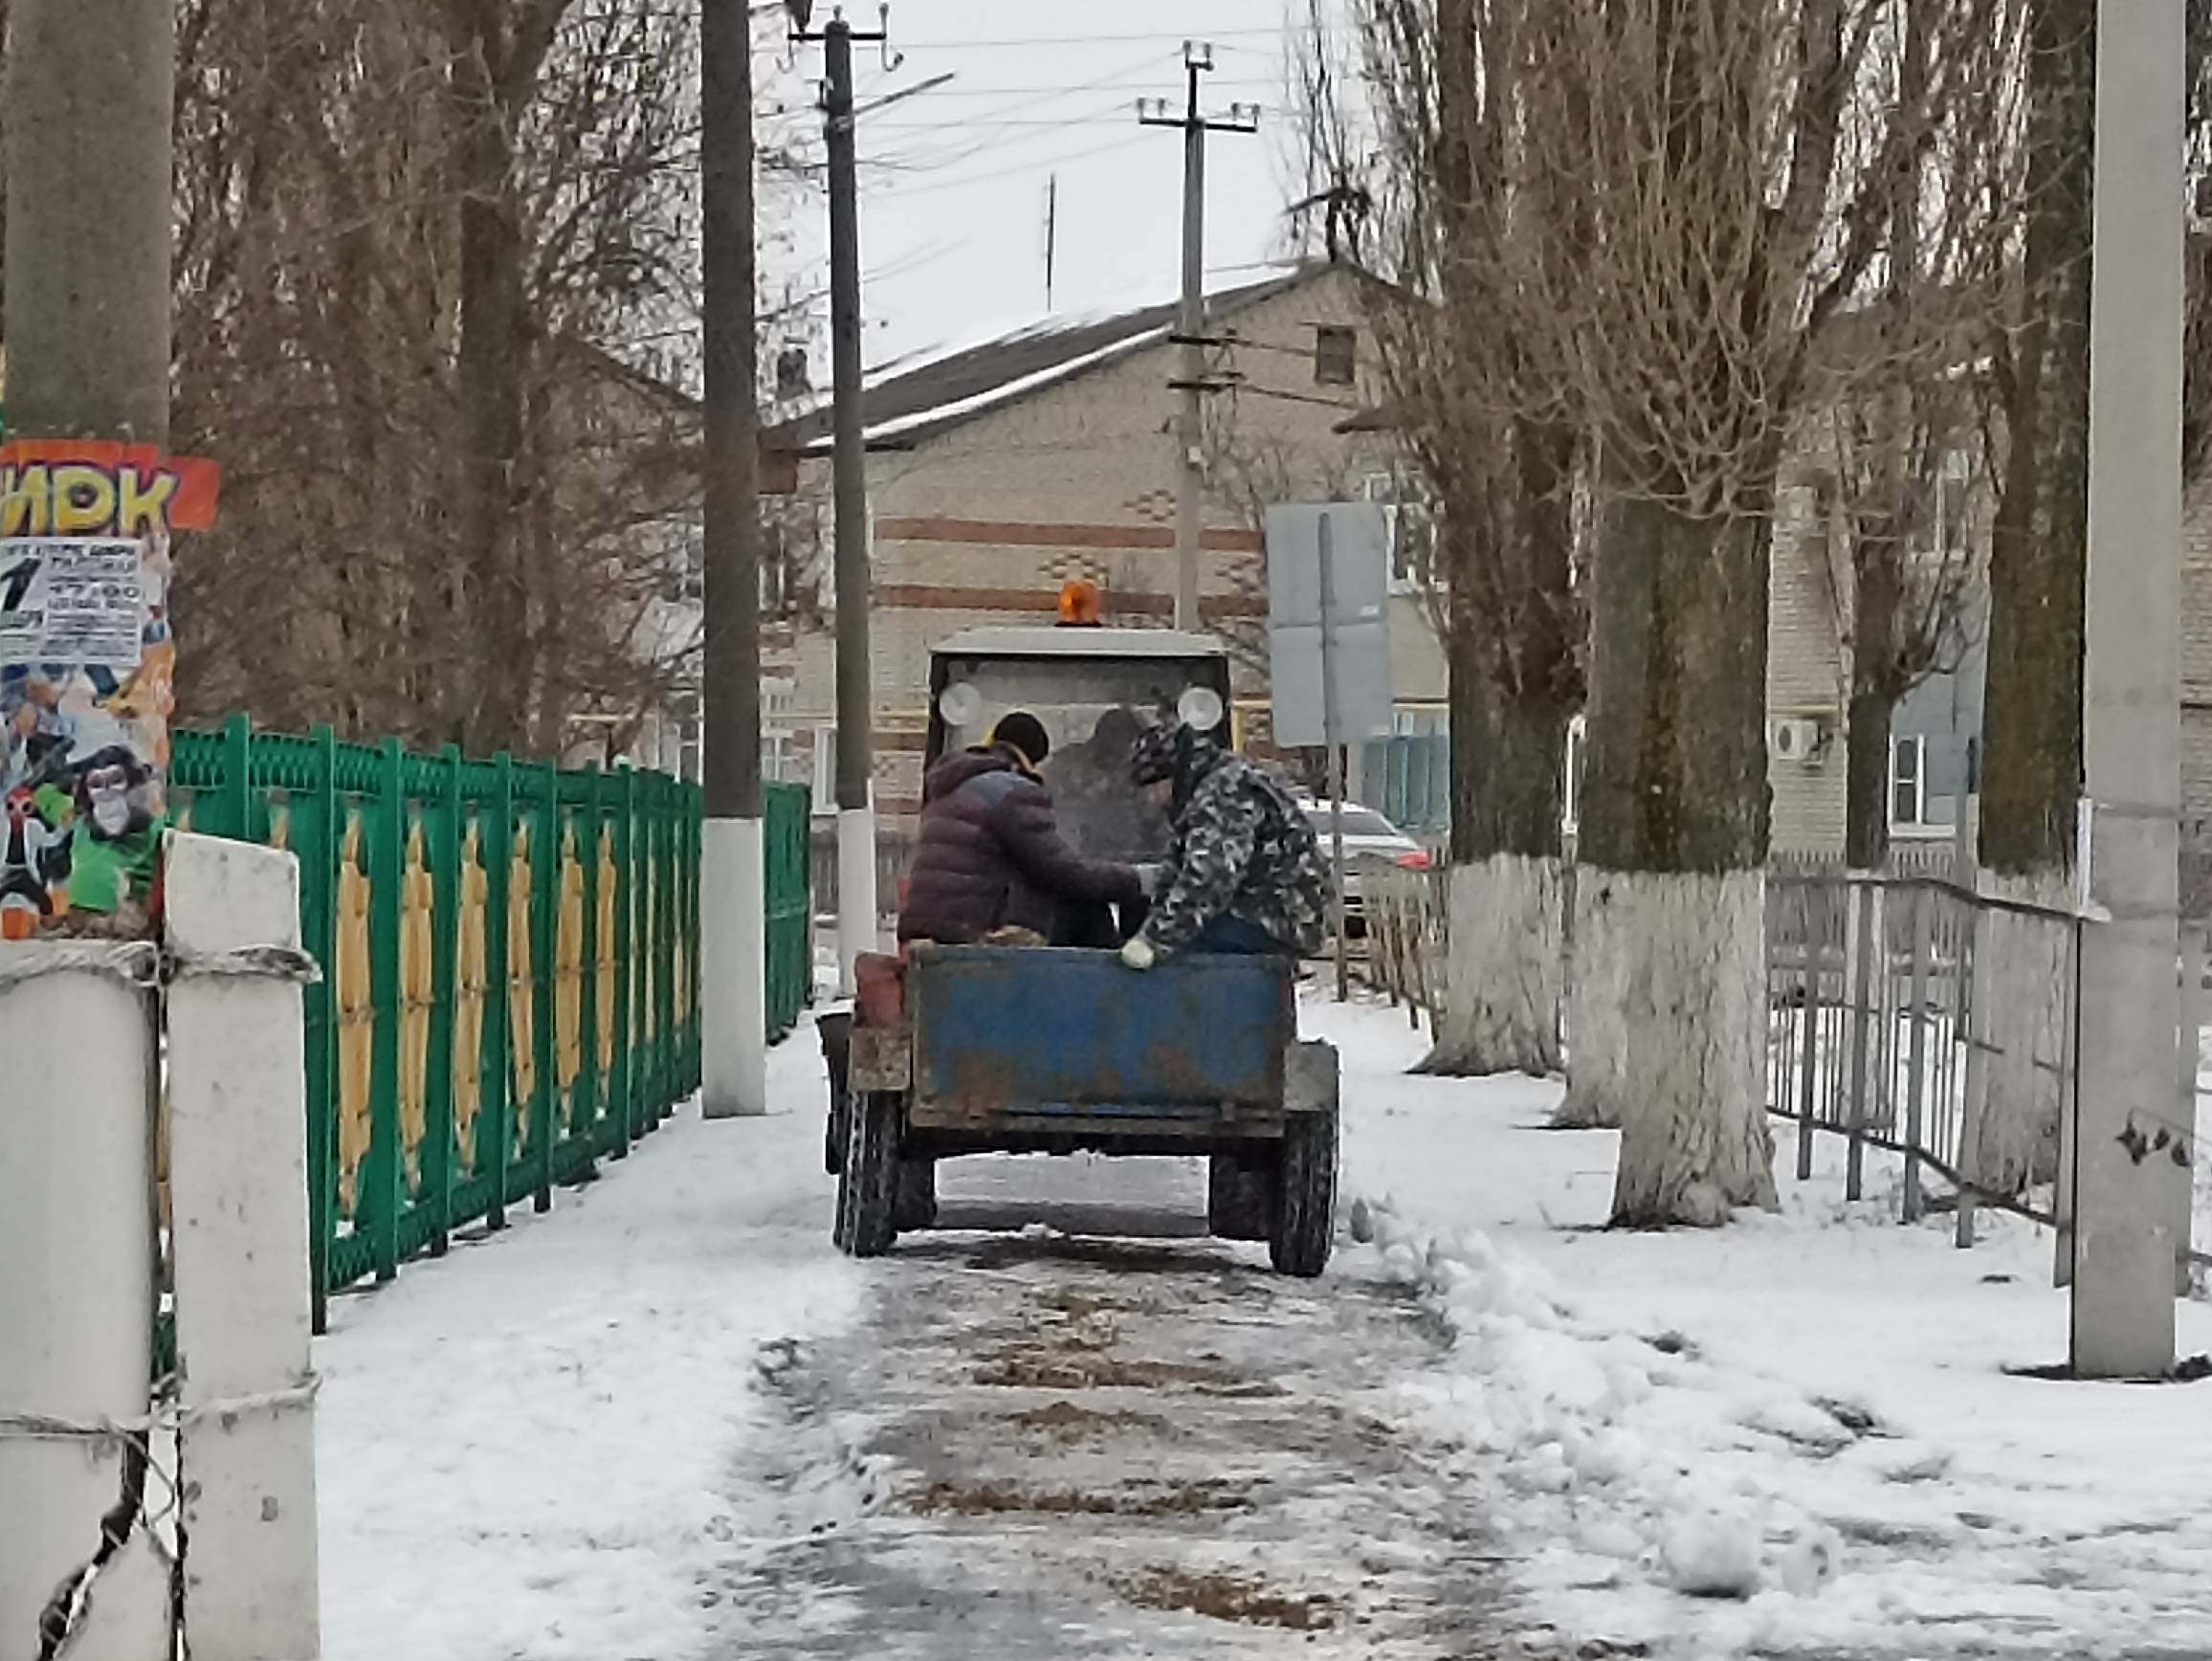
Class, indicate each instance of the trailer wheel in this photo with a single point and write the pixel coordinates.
(1239, 1197)
(915, 1205)
(1305, 1198)
(868, 1184)
(835, 1031)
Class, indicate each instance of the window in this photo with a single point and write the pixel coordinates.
(1335, 355)
(1571, 779)
(775, 760)
(1412, 532)
(1909, 782)
(1944, 537)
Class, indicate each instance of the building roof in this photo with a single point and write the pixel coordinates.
(907, 402)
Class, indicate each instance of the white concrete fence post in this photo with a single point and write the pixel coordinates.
(238, 1199)
(77, 1292)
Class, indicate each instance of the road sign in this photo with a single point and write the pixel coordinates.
(1357, 615)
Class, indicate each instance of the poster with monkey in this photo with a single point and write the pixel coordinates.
(87, 678)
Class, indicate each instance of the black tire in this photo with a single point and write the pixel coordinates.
(1305, 1207)
(868, 1185)
(915, 1205)
(836, 1032)
(1240, 1193)
(834, 1138)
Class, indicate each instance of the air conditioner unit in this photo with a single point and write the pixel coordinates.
(1794, 740)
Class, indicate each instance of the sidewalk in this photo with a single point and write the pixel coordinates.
(523, 1449)
(1794, 1436)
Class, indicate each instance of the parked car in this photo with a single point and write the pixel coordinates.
(1369, 839)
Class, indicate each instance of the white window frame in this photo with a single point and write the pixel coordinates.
(1953, 485)
(1914, 780)
(825, 771)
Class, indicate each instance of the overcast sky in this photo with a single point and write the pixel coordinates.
(954, 180)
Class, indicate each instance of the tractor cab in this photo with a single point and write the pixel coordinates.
(1094, 689)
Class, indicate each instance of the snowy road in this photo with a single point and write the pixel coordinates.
(1094, 1433)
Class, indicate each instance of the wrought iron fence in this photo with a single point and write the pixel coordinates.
(510, 970)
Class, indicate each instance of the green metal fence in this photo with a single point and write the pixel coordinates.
(510, 955)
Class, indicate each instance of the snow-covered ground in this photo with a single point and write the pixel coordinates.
(523, 1449)
(1810, 1414)
(552, 1445)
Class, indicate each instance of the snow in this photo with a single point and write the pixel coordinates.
(1797, 1437)
(1794, 1436)
(523, 1447)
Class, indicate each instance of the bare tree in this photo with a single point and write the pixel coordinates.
(1677, 203)
(435, 317)
(1501, 468)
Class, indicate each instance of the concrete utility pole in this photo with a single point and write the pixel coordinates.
(1190, 325)
(90, 90)
(857, 928)
(733, 946)
(2129, 1149)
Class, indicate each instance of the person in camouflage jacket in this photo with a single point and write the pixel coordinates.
(1246, 875)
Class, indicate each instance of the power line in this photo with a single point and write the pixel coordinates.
(1275, 32)
(1028, 167)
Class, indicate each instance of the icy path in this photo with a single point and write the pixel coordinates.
(1052, 1444)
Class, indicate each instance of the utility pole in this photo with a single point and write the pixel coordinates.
(1191, 324)
(1051, 236)
(733, 950)
(90, 95)
(2129, 1148)
(857, 928)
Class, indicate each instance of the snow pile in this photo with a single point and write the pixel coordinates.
(1628, 1459)
(1799, 1435)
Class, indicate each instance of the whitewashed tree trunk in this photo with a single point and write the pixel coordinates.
(1671, 1027)
(1504, 976)
(1599, 1076)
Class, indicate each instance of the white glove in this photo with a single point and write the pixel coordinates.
(1151, 879)
(1140, 953)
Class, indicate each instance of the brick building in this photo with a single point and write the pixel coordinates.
(999, 472)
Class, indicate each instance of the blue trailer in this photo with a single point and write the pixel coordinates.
(1040, 1051)
(1048, 1051)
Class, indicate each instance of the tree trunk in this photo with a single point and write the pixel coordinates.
(2031, 755)
(1668, 1010)
(2032, 751)
(490, 378)
(1873, 701)
(1513, 689)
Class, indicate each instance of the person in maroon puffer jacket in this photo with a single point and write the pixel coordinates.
(990, 855)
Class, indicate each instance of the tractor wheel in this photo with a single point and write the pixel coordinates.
(1305, 1198)
(868, 1184)
(917, 1201)
(1239, 1197)
(836, 1032)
